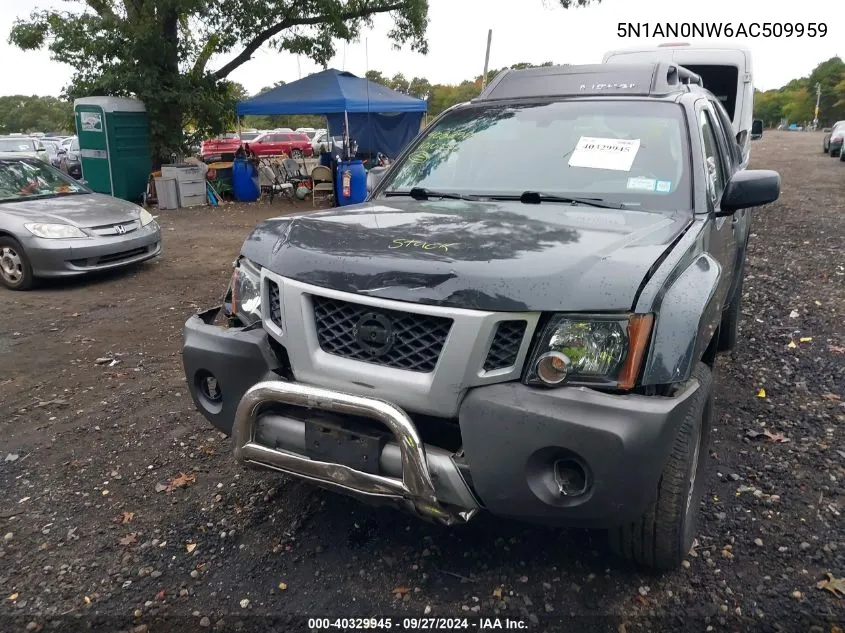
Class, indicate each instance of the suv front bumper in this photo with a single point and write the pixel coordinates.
(519, 444)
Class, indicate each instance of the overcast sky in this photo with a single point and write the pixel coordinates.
(523, 31)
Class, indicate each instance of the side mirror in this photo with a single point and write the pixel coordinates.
(374, 177)
(750, 188)
(756, 129)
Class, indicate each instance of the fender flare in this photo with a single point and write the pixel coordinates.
(687, 316)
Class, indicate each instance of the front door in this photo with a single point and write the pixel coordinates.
(722, 238)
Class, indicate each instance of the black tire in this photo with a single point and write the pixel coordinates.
(729, 327)
(296, 153)
(662, 538)
(842, 153)
(13, 258)
(825, 149)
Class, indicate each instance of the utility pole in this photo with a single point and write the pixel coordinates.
(818, 99)
(486, 59)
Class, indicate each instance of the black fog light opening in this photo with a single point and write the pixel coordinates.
(559, 477)
(208, 390)
(570, 477)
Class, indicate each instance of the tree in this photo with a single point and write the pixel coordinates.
(799, 106)
(34, 114)
(828, 75)
(159, 50)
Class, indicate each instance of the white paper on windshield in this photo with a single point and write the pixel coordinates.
(605, 153)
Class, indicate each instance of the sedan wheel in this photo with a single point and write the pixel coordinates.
(15, 269)
(297, 153)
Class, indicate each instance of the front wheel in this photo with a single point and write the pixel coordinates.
(663, 536)
(15, 268)
(297, 153)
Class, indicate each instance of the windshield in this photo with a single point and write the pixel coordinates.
(24, 179)
(16, 145)
(628, 152)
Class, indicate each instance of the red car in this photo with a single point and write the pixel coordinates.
(221, 148)
(293, 144)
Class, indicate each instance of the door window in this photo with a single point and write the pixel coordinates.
(712, 158)
(725, 131)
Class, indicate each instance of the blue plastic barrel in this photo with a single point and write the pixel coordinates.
(245, 184)
(351, 182)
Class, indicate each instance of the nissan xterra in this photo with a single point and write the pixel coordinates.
(530, 335)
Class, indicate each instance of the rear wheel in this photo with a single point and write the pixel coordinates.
(296, 153)
(842, 153)
(663, 536)
(15, 268)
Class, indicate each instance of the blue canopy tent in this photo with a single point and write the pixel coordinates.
(378, 118)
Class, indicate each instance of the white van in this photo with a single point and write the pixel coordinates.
(724, 71)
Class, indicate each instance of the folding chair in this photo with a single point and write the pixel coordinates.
(323, 181)
(292, 172)
(271, 183)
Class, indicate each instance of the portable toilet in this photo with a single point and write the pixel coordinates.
(114, 145)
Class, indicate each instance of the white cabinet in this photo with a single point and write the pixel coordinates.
(190, 183)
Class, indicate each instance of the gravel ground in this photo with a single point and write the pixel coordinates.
(122, 509)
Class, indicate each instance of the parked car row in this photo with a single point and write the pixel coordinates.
(294, 143)
(62, 152)
(297, 143)
(833, 143)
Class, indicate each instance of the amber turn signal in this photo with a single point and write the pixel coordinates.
(639, 331)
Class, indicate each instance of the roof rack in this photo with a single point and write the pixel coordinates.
(644, 79)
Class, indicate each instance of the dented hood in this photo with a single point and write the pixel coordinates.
(486, 255)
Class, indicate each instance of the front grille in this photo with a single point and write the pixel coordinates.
(402, 340)
(505, 346)
(108, 259)
(111, 229)
(275, 304)
(117, 257)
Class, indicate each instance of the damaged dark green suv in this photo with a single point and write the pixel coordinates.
(522, 319)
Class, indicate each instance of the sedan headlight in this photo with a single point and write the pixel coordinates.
(146, 217)
(596, 350)
(246, 292)
(54, 231)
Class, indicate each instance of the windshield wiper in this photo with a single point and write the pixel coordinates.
(536, 197)
(420, 193)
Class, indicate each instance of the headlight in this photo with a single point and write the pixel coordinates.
(54, 231)
(246, 292)
(146, 217)
(600, 351)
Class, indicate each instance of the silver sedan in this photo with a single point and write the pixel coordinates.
(54, 226)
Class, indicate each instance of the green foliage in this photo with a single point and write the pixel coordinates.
(35, 114)
(796, 101)
(158, 50)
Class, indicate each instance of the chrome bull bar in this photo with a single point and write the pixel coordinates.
(415, 491)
